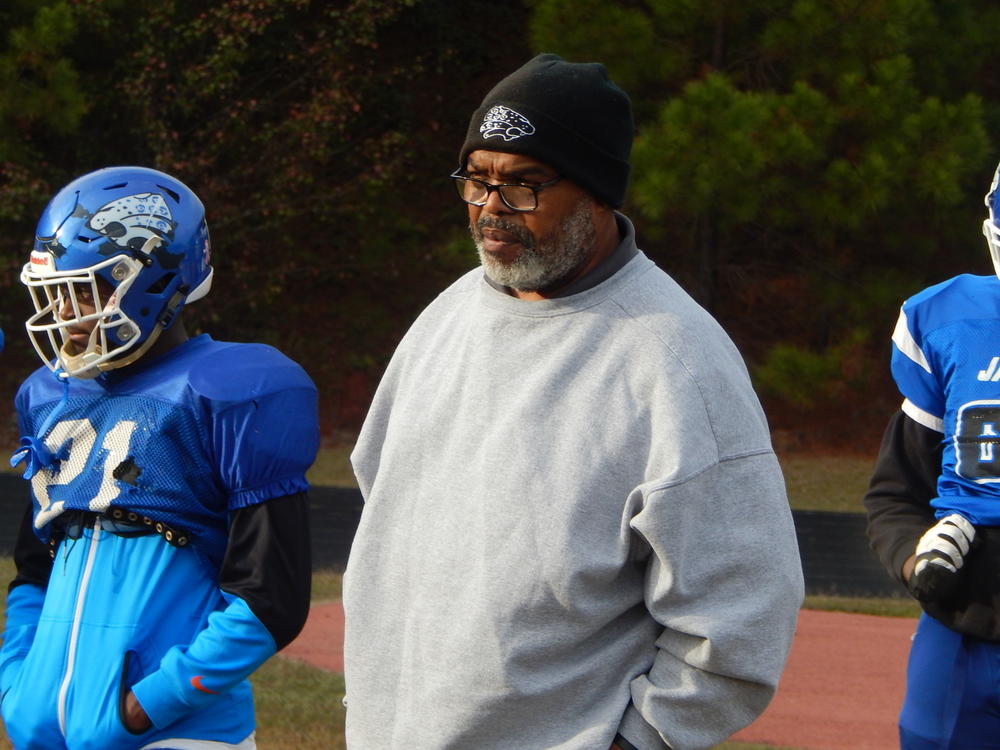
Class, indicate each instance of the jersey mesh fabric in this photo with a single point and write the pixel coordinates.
(141, 453)
(213, 427)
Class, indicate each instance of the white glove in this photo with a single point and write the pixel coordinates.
(940, 555)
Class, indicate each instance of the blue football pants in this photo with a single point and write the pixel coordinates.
(952, 691)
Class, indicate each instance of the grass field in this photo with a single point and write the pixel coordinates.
(333, 464)
(832, 483)
(299, 707)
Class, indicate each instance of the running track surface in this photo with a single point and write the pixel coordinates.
(841, 690)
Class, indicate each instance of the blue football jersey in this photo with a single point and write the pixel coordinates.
(205, 429)
(946, 363)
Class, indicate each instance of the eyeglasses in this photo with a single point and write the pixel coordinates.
(517, 197)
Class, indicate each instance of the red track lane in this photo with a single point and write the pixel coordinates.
(843, 685)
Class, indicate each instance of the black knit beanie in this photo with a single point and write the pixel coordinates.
(567, 115)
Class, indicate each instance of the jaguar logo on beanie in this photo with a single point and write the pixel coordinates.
(506, 123)
(570, 116)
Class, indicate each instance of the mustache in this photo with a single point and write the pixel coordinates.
(523, 235)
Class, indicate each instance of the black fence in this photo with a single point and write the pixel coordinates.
(835, 554)
(836, 558)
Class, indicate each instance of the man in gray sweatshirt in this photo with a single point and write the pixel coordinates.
(575, 531)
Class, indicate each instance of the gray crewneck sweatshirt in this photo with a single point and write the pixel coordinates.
(574, 526)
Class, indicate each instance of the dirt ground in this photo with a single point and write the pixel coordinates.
(842, 688)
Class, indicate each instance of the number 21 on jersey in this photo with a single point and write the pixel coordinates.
(80, 437)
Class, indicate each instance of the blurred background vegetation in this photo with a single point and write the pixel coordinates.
(801, 165)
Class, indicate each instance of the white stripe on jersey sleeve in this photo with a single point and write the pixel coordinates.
(904, 342)
(920, 416)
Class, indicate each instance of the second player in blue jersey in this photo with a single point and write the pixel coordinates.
(934, 503)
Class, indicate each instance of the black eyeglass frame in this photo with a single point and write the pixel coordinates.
(489, 187)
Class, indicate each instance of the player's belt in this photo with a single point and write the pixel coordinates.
(115, 520)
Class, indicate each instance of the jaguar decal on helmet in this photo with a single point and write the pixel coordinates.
(132, 220)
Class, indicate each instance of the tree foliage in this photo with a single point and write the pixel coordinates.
(318, 134)
(803, 165)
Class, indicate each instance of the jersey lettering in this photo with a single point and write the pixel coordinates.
(992, 372)
(986, 447)
(990, 369)
(976, 439)
(79, 437)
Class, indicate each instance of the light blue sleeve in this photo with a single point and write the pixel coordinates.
(262, 444)
(226, 652)
(24, 606)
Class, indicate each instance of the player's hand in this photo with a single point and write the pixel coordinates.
(939, 556)
(136, 720)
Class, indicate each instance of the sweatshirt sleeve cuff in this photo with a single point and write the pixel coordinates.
(639, 733)
(903, 553)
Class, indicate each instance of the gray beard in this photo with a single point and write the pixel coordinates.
(544, 262)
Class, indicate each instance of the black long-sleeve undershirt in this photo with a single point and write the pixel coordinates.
(900, 491)
(268, 563)
(31, 555)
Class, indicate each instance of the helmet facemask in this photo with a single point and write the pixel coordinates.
(68, 301)
(990, 228)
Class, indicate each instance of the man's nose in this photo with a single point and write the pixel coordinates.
(495, 205)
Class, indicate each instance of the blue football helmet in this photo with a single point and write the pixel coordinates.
(991, 227)
(120, 250)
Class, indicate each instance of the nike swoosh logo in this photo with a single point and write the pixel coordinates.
(196, 681)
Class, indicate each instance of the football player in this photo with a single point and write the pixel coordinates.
(934, 503)
(165, 555)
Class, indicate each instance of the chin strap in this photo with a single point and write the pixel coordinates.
(162, 323)
(132, 356)
(33, 450)
(79, 364)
